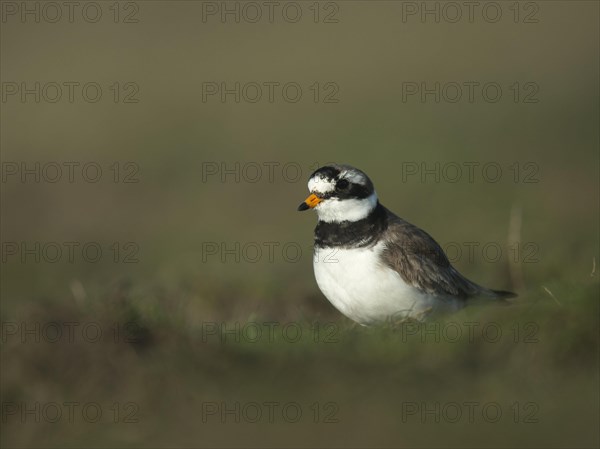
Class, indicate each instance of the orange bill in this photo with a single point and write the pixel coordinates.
(310, 202)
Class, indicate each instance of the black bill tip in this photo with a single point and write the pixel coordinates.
(303, 206)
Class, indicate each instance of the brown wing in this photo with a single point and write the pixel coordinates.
(421, 262)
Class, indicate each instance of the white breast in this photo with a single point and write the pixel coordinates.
(360, 286)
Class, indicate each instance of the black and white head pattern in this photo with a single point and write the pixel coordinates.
(347, 193)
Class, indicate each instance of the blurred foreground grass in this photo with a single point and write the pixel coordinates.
(174, 374)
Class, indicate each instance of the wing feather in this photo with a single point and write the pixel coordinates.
(422, 263)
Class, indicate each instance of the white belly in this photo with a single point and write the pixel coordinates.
(365, 290)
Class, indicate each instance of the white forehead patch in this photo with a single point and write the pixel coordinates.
(320, 185)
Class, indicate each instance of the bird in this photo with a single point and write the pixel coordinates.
(373, 266)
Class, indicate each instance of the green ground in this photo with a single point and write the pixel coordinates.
(173, 377)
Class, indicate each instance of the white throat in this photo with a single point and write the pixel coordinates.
(334, 210)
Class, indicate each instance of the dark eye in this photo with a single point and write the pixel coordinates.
(342, 184)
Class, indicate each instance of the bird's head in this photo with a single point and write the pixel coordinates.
(340, 193)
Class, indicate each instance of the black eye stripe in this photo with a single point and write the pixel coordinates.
(342, 184)
(358, 191)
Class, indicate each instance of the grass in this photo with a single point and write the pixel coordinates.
(175, 375)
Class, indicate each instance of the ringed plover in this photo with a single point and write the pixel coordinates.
(372, 265)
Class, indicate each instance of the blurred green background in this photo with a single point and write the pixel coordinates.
(174, 287)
